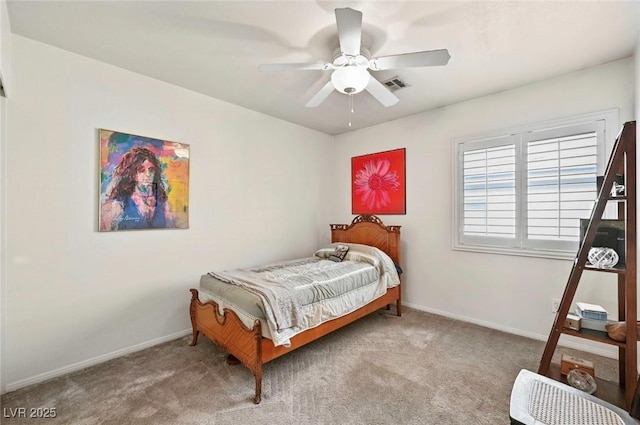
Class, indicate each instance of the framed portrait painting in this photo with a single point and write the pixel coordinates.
(144, 183)
(378, 183)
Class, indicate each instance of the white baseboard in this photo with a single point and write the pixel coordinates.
(565, 340)
(94, 361)
(569, 343)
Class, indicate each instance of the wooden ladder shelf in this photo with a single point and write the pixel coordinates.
(622, 161)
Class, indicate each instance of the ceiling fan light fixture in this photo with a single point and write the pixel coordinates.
(350, 79)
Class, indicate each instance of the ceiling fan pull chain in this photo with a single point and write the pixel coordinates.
(350, 108)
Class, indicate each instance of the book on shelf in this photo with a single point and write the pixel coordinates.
(594, 324)
(592, 311)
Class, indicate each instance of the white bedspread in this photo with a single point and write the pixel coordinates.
(301, 294)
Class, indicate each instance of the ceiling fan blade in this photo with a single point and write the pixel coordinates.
(271, 67)
(381, 93)
(408, 60)
(319, 97)
(349, 23)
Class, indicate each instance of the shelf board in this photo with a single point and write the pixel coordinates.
(618, 269)
(593, 335)
(617, 198)
(607, 390)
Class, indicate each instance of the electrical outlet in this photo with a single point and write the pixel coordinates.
(555, 305)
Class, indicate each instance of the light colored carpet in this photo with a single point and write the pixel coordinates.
(416, 369)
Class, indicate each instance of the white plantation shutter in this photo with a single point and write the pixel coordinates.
(525, 190)
(561, 170)
(489, 191)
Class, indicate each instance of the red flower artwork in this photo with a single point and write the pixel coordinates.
(378, 183)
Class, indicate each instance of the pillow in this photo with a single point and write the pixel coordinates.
(367, 254)
(339, 253)
(355, 252)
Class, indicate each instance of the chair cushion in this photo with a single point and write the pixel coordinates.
(538, 400)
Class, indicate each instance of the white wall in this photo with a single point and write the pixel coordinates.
(501, 291)
(5, 48)
(637, 84)
(259, 192)
(5, 44)
(77, 296)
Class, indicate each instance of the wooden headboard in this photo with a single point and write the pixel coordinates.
(369, 230)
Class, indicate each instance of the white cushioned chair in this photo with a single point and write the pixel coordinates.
(538, 400)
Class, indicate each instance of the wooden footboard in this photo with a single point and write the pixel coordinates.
(250, 348)
(230, 334)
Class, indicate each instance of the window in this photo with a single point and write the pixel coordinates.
(523, 190)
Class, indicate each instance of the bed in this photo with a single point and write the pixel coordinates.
(240, 321)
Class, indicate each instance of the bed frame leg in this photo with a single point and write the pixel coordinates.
(258, 376)
(194, 340)
(192, 313)
(399, 302)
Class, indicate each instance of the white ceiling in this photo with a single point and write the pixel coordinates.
(215, 47)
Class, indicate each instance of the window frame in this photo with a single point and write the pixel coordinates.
(606, 125)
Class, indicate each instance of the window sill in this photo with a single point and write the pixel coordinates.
(553, 255)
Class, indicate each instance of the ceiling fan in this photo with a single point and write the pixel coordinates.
(351, 66)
